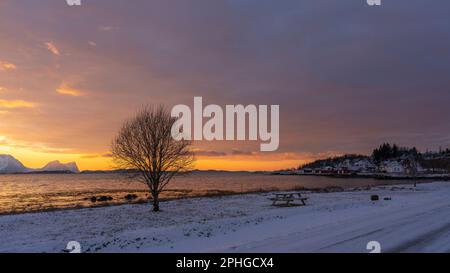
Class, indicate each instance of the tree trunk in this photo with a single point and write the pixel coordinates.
(155, 201)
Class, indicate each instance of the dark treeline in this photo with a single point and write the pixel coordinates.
(387, 151)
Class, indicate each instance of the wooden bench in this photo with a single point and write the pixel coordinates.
(287, 199)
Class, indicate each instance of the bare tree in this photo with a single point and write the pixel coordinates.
(412, 169)
(145, 143)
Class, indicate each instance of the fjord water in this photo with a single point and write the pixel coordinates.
(21, 193)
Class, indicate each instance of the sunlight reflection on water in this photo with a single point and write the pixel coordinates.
(36, 192)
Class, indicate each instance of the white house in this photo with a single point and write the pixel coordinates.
(392, 166)
(358, 165)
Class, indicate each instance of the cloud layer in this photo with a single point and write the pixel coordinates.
(346, 76)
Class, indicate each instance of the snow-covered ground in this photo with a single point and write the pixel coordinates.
(414, 220)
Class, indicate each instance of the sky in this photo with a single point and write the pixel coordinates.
(347, 76)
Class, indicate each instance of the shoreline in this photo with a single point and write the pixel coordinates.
(139, 202)
(435, 177)
(410, 220)
(215, 194)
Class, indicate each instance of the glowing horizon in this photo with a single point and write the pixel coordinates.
(85, 162)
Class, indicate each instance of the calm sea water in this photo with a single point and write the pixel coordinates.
(36, 192)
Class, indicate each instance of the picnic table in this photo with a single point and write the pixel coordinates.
(287, 199)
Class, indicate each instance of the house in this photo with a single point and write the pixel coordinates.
(323, 170)
(392, 166)
(344, 170)
(359, 165)
(364, 165)
(305, 171)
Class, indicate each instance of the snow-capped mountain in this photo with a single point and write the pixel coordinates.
(8, 164)
(56, 166)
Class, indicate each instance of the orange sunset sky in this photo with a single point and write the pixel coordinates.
(345, 81)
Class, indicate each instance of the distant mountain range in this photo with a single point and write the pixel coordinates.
(8, 164)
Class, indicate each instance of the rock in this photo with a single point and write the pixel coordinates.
(104, 198)
(131, 197)
(387, 198)
(374, 198)
(329, 189)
